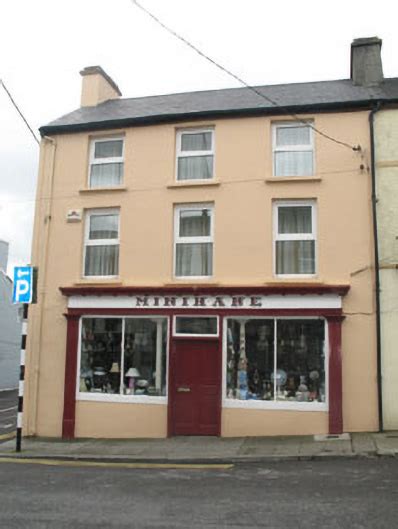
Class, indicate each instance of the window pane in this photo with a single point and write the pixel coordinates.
(250, 359)
(145, 357)
(100, 355)
(186, 325)
(195, 168)
(295, 257)
(106, 174)
(104, 227)
(195, 223)
(299, 135)
(108, 149)
(102, 260)
(294, 219)
(194, 259)
(300, 360)
(200, 141)
(293, 163)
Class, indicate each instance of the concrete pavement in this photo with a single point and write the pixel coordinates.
(208, 449)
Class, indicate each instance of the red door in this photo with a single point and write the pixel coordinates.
(195, 392)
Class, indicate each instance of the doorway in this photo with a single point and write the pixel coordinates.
(195, 387)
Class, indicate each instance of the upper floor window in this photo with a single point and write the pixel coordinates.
(106, 162)
(295, 238)
(293, 149)
(195, 154)
(101, 243)
(194, 241)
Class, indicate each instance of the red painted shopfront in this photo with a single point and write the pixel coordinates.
(213, 347)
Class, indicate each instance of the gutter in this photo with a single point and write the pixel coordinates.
(372, 113)
(176, 117)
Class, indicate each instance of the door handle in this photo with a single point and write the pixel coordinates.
(183, 390)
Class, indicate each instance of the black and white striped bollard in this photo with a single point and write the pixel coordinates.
(22, 376)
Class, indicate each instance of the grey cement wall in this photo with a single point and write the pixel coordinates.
(10, 335)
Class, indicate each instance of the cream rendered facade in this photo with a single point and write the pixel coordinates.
(242, 193)
(386, 158)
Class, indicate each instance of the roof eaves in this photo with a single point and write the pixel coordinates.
(211, 114)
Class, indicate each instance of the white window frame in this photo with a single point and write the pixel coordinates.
(119, 397)
(274, 404)
(99, 242)
(192, 240)
(295, 236)
(187, 154)
(102, 161)
(196, 335)
(292, 148)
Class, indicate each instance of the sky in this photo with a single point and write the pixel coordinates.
(44, 44)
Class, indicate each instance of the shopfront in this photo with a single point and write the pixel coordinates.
(202, 361)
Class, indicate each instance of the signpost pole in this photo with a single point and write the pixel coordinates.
(22, 376)
(24, 291)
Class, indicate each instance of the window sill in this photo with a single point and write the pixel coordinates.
(192, 183)
(275, 405)
(281, 179)
(102, 189)
(99, 281)
(129, 399)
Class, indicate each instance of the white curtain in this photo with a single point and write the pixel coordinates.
(295, 257)
(200, 141)
(295, 219)
(102, 260)
(194, 259)
(195, 167)
(106, 174)
(293, 163)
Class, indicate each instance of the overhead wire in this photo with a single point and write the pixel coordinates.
(161, 188)
(242, 81)
(19, 111)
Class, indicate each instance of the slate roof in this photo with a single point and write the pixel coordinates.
(299, 97)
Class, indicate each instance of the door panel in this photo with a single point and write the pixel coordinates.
(195, 387)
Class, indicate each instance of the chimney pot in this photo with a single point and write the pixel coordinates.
(366, 65)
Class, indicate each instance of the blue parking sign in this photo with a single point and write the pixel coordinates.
(23, 284)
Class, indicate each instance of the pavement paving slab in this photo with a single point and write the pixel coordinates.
(208, 448)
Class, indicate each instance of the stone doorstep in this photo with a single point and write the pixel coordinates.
(333, 437)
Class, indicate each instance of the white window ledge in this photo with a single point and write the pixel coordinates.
(125, 399)
(194, 183)
(102, 189)
(281, 179)
(275, 405)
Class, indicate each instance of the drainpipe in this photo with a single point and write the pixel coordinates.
(42, 263)
(375, 109)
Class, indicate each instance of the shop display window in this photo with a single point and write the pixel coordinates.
(276, 360)
(123, 356)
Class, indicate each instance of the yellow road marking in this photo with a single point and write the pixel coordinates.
(5, 436)
(66, 463)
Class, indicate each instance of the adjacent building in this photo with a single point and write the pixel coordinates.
(386, 175)
(206, 262)
(10, 327)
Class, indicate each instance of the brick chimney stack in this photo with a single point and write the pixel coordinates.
(366, 66)
(97, 86)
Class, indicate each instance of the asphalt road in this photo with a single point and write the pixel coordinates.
(8, 411)
(338, 494)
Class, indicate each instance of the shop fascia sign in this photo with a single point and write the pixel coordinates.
(206, 302)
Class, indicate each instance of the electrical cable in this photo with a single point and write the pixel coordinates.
(241, 81)
(19, 111)
(160, 188)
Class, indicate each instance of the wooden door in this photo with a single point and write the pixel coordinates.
(195, 392)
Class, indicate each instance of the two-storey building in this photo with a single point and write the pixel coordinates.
(206, 263)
